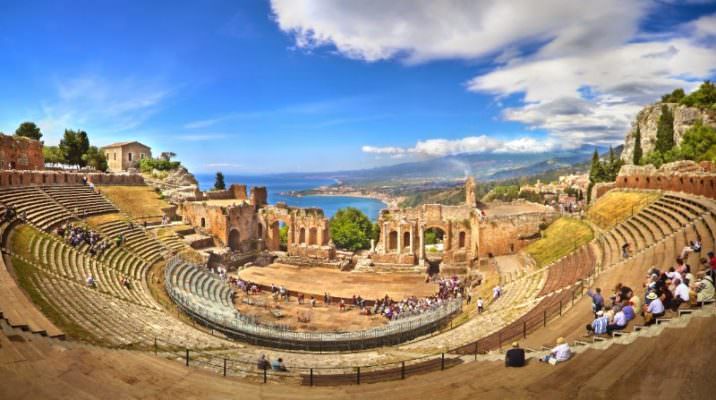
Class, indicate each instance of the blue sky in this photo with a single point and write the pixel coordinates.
(291, 85)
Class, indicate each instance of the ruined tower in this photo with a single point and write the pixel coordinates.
(470, 192)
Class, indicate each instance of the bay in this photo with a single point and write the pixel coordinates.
(276, 185)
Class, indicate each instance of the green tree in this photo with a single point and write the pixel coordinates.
(674, 97)
(638, 152)
(351, 229)
(29, 130)
(698, 143)
(596, 171)
(53, 155)
(167, 155)
(219, 183)
(74, 145)
(430, 237)
(704, 96)
(95, 159)
(283, 235)
(665, 131)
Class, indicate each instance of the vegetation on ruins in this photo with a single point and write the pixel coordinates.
(559, 239)
(148, 165)
(703, 97)
(616, 206)
(283, 235)
(95, 159)
(139, 202)
(74, 144)
(638, 152)
(352, 230)
(29, 130)
(697, 144)
(219, 183)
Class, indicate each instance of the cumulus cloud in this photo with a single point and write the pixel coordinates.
(469, 144)
(422, 30)
(578, 70)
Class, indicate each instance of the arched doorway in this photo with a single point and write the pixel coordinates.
(461, 240)
(434, 248)
(393, 240)
(203, 222)
(302, 236)
(234, 239)
(312, 236)
(406, 240)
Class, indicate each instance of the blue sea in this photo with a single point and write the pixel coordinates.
(277, 185)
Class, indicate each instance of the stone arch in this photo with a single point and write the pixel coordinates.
(234, 239)
(461, 239)
(302, 236)
(393, 240)
(312, 236)
(406, 239)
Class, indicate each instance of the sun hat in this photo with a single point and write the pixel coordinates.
(651, 296)
(515, 344)
(600, 313)
(560, 340)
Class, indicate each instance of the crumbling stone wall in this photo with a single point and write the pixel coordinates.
(47, 177)
(308, 230)
(20, 153)
(680, 176)
(509, 234)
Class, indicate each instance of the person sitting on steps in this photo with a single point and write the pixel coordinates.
(515, 357)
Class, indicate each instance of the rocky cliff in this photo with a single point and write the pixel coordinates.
(648, 120)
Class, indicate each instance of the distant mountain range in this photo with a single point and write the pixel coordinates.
(484, 167)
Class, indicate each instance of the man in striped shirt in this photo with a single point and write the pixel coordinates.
(599, 325)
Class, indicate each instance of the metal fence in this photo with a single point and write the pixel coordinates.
(232, 324)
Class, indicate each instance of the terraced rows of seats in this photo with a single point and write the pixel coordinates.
(80, 199)
(40, 209)
(171, 240)
(57, 258)
(203, 286)
(573, 267)
(135, 238)
(16, 308)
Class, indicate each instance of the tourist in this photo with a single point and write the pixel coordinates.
(681, 294)
(342, 305)
(629, 311)
(712, 265)
(560, 353)
(653, 309)
(263, 362)
(278, 365)
(313, 302)
(91, 282)
(704, 289)
(619, 321)
(515, 357)
(599, 325)
(696, 245)
(496, 292)
(625, 250)
(468, 299)
(480, 305)
(597, 300)
(688, 249)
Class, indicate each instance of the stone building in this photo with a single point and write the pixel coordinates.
(247, 223)
(20, 153)
(124, 155)
(466, 232)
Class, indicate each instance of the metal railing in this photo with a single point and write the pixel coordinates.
(232, 324)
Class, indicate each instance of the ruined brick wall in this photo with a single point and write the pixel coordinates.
(599, 189)
(47, 177)
(510, 234)
(20, 153)
(681, 176)
(259, 196)
(210, 220)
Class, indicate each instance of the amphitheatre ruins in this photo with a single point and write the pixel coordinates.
(199, 284)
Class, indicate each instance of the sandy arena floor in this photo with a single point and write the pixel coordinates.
(316, 281)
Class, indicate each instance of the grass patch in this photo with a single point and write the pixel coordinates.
(559, 239)
(616, 206)
(103, 218)
(139, 202)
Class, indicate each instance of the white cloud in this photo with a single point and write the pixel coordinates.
(469, 144)
(705, 26)
(201, 137)
(594, 97)
(103, 107)
(421, 30)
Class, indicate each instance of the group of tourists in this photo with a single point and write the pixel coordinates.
(76, 236)
(11, 212)
(275, 365)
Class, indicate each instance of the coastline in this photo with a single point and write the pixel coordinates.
(389, 201)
